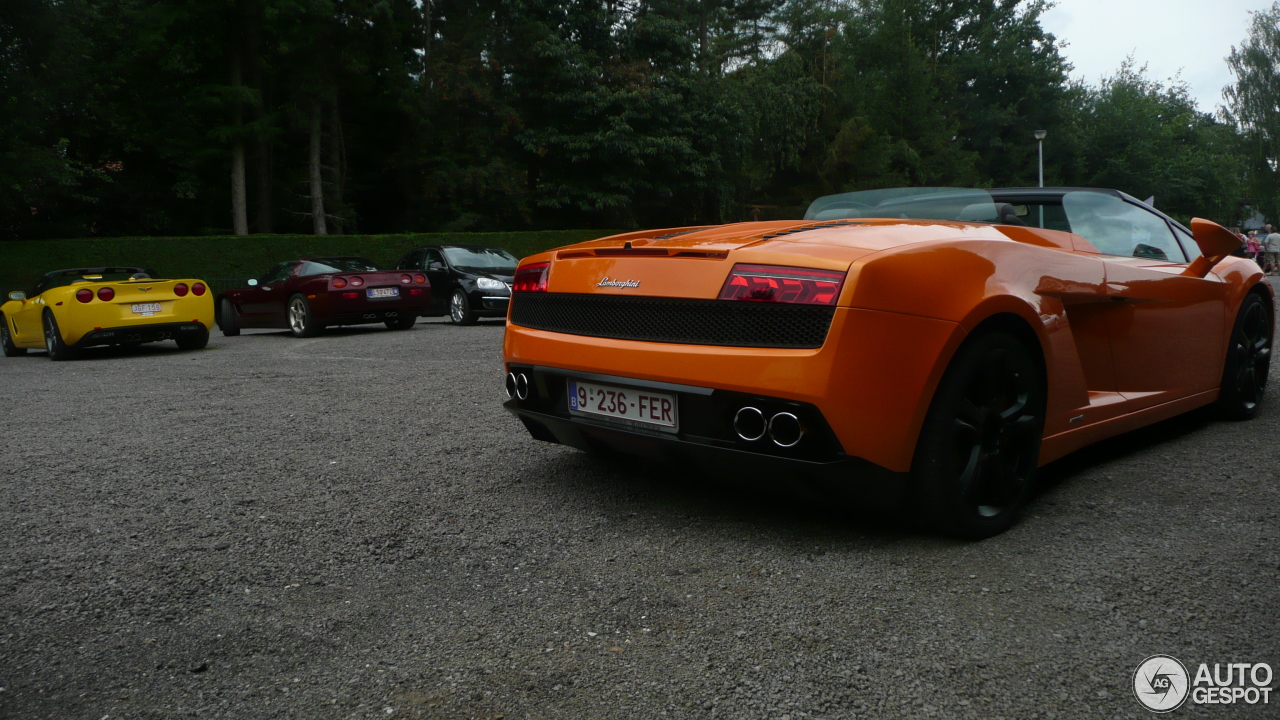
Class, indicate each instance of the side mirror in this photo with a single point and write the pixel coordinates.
(1215, 241)
(435, 266)
(253, 283)
(17, 295)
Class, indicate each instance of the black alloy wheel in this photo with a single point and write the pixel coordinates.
(53, 342)
(460, 311)
(228, 322)
(6, 340)
(1244, 375)
(301, 323)
(975, 463)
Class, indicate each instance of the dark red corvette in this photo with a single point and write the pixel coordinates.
(304, 296)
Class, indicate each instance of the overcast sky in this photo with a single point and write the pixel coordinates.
(1191, 36)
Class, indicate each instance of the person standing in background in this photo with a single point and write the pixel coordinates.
(1271, 253)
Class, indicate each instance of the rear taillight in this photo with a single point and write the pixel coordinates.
(105, 294)
(198, 289)
(339, 283)
(531, 278)
(84, 295)
(180, 289)
(350, 295)
(420, 279)
(772, 283)
(405, 279)
(415, 291)
(357, 281)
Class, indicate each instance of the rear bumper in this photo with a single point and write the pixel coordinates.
(816, 467)
(871, 380)
(135, 334)
(373, 314)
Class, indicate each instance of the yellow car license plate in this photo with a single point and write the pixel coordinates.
(146, 308)
(631, 405)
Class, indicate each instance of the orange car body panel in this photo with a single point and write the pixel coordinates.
(1107, 326)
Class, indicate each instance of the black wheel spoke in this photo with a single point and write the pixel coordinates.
(1023, 427)
(1246, 384)
(967, 431)
(1016, 409)
(974, 471)
(970, 412)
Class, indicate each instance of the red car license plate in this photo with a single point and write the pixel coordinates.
(645, 408)
(383, 293)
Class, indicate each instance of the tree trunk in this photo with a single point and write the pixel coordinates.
(239, 206)
(317, 182)
(262, 137)
(337, 168)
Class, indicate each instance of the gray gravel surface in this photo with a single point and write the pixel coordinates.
(351, 526)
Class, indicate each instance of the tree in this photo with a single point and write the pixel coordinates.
(1253, 103)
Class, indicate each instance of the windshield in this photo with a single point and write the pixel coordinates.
(494, 260)
(343, 264)
(88, 275)
(909, 203)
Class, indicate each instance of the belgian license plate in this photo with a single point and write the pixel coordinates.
(391, 292)
(145, 309)
(630, 405)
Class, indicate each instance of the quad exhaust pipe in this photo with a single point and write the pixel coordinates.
(784, 429)
(517, 385)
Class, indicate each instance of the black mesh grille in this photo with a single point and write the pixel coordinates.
(669, 320)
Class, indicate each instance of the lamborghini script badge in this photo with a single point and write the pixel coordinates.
(606, 282)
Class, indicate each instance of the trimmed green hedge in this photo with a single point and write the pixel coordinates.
(22, 261)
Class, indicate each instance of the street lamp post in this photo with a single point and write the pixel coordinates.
(1040, 143)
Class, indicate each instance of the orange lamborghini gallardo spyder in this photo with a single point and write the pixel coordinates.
(936, 345)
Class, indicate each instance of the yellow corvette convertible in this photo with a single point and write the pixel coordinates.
(82, 307)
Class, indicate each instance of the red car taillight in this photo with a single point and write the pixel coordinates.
(531, 278)
(420, 279)
(773, 283)
(105, 294)
(85, 295)
(406, 279)
(350, 295)
(198, 289)
(357, 281)
(415, 291)
(339, 283)
(180, 289)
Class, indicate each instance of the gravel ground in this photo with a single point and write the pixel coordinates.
(351, 527)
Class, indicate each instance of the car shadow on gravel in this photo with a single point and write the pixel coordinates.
(115, 352)
(677, 494)
(1061, 472)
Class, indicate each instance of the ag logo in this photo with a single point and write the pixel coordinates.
(1160, 683)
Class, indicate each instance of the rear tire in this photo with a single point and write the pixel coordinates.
(53, 342)
(228, 321)
(460, 311)
(301, 324)
(1244, 374)
(6, 341)
(975, 463)
(404, 322)
(193, 343)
